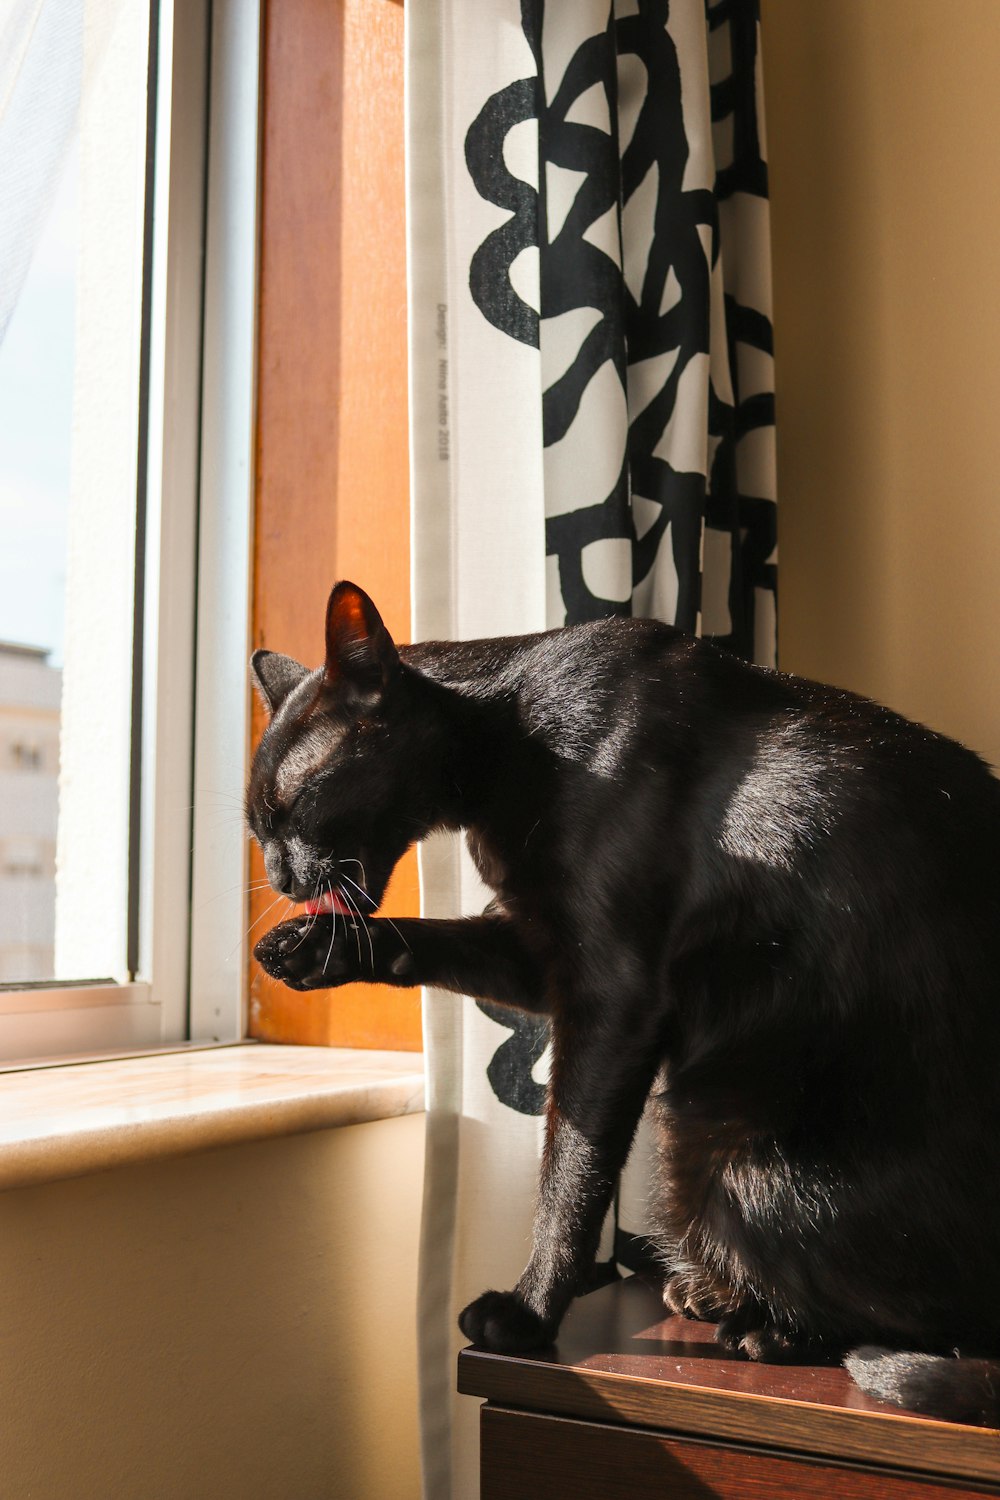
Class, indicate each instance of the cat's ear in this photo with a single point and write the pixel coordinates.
(360, 655)
(275, 676)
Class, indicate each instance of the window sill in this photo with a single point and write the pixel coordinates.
(88, 1117)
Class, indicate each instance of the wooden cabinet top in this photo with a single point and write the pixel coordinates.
(618, 1359)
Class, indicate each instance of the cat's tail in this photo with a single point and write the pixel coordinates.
(953, 1390)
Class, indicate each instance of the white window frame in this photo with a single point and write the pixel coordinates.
(189, 872)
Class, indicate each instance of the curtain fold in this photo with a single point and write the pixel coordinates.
(592, 433)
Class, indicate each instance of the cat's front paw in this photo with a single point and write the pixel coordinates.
(500, 1321)
(309, 953)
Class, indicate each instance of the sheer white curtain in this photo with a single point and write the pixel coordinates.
(479, 570)
(41, 65)
(591, 434)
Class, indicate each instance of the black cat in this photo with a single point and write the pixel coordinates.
(771, 905)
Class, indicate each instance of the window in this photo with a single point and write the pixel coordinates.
(128, 176)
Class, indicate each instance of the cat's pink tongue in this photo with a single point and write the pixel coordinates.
(331, 902)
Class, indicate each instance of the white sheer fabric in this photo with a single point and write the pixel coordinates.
(41, 64)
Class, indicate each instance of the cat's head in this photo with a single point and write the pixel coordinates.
(328, 796)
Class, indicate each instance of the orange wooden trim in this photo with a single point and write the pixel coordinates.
(332, 497)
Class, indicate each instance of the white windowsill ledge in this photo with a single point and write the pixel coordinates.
(88, 1117)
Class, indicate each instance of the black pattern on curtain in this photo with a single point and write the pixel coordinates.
(653, 265)
(654, 302)
(591, 404)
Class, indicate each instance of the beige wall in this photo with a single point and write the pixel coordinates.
(883, 123)
(232, 1326)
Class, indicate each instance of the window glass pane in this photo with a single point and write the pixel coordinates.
(72, 163)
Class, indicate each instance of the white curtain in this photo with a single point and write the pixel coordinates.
(41, 59)
(591, 434)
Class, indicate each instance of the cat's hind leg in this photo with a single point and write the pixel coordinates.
(752, 1330)
(693, 1292)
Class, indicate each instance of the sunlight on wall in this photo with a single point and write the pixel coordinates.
(882, 122)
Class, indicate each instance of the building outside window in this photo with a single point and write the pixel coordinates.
(29, 766)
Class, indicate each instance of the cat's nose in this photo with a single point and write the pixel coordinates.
(282, 878)
(278, 871)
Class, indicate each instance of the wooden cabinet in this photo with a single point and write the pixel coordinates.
(632, 1405)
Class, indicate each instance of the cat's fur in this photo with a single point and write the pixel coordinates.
(772, 905)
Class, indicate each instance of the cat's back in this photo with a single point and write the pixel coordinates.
(827, 808)
(645, 713)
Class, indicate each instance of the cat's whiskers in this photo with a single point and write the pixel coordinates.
(263, 915)
(310, 922)
(250, 929)
(317, 897)
(374, 904)
(333, 930)
(226, 819)
(360, 889)
(357, 912)
(259, 885)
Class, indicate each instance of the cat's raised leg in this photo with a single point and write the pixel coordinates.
(487, 957)
(597, 1094)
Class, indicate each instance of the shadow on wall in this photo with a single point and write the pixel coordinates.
(239, 1323)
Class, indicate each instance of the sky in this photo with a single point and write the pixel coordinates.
(36, 412)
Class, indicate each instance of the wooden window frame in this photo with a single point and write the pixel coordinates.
(332, 467)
